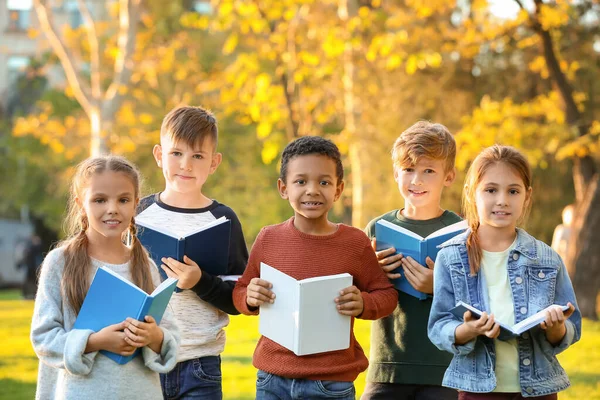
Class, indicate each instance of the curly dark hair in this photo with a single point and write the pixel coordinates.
(312, 145)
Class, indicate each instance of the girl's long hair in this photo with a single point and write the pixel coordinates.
(486, 159)
(76, 274)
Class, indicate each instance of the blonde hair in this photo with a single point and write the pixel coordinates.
(486, 159)
(424, 140)
(76, 276)
(191, 125)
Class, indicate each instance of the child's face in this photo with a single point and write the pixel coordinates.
(421, 185)
(109, 203)
(186, 169)
(311, 187)
(501, 197)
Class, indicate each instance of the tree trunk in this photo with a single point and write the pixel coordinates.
(98, 145)
(584, 252)
(357, 186)
(344, 10)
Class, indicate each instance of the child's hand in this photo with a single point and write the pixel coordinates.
(350, 302)
(140, 334)
(111, 338)
(189, 274)
(388, 261)
(471, 328)
(259, 292)
(419, 277)
(554, 324)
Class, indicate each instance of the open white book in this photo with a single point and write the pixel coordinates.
(506, 331)
(304, 317)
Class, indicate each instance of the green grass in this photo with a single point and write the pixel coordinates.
(18, 363)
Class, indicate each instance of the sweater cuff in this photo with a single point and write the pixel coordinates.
(369, 312)
(76, 361)
(205, 283)
(239, 301)
(166, 360)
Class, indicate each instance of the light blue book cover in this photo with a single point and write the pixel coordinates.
(112, 299)
(410, 244)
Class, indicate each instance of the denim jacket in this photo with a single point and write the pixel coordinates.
(538, 278)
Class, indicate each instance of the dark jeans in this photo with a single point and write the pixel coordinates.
(275, 387)
(199, 378)
(502, 396)
(384, 391)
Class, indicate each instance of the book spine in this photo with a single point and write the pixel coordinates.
(423, 253)
(298, 318)
(181, 249)
(144, 309)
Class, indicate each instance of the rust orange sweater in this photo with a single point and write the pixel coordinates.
(304, 256)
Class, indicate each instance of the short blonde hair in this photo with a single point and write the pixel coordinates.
(424, 140)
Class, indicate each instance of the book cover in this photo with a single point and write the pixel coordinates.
(304, 317)
(208, 245)
(112, 299)
(506, 331)
(410, 244)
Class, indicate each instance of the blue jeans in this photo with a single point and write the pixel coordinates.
(275, 387)
(199, 378)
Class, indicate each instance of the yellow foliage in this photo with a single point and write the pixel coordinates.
(263, 129)
(552, 17)
(230, 44)
(411, 65)
(32, 33)
(146, 118)
(309, 58)
(393, 62)
(56, 146)
(269, 152)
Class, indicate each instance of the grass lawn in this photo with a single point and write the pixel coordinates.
(18, 363)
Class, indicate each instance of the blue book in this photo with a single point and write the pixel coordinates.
(112, 299)
(207, 245)
(410, 244)
(506, 331)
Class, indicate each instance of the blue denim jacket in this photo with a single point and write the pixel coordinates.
(538, 279)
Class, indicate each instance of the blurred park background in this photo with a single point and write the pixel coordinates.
(81, 77)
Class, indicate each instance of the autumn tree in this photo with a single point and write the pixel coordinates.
(99, 97)
(552, 116)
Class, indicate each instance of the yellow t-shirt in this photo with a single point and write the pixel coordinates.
(494, 266)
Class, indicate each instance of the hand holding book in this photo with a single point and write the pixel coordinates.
(187, 272)
(420, 277)
(147, 333)
(110, 338)
(350, 302)
(554, 324)
(259, 292)
(388, 260)
(476, 325)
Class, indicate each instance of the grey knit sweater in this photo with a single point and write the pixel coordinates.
(65, 372)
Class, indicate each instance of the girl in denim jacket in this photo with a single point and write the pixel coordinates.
(503, 271)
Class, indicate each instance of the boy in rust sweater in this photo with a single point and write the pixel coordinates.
(309, 245)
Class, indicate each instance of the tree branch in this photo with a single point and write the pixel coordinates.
(90, 28)
(284, 77)
(128, 17)
(79, 86)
